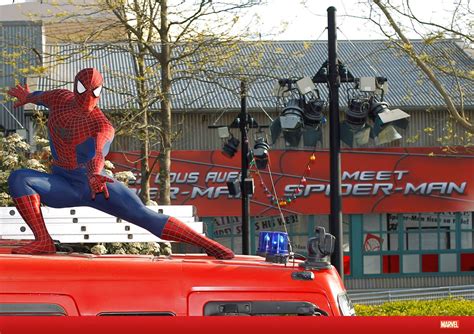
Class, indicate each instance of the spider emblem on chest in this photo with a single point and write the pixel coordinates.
(64, 133)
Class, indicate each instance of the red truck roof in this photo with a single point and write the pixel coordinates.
(86, 284)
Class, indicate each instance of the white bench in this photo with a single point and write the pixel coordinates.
(88, 225)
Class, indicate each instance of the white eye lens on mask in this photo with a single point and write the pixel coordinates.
(97, 91)
(80, 87)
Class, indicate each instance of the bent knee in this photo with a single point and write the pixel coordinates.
(19, 183)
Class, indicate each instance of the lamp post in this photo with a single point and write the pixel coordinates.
(335, 220)
(243, 123)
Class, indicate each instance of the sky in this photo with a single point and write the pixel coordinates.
(307, 20)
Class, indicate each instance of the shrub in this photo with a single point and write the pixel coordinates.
(15, 153)
(440, 307)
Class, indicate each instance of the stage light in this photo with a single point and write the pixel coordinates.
(260, 153)
(290, 123)
(291, 118)
(312, 136)
(385, 121)
(302, 114)
(235, 186)
(354, 129)
(231, 146)
(365, 108)
(355, 135)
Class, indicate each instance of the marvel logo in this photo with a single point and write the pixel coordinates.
(449, 324)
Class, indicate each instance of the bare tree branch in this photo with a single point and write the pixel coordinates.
(408, 48)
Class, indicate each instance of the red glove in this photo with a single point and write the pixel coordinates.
(98, 184)
(21, 93)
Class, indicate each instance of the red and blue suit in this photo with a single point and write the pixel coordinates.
(80, 137)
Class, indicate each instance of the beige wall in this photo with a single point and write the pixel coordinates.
(195, 134)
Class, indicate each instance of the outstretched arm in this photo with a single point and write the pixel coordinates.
(103, 139)
(24, 96)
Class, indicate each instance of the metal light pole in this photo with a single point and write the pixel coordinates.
(335, 220)
(243, 122)
(243, 118)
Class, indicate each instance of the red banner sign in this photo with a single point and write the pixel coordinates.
(378, 181)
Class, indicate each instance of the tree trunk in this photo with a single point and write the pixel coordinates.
(144, 134)
(165, 115)
(145, 165)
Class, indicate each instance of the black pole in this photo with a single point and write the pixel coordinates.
(335, 220)
(245, 164)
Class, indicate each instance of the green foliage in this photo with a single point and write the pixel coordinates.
(440, 307)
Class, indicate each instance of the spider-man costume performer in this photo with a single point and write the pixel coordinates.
(80, 137)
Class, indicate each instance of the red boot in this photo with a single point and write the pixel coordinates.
(175, 230)
(29, 208)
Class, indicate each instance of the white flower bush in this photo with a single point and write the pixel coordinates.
(137, 248)
(99, 249)
(109, 165)
(125, 176)
(36, 165)
(4, 199)
(10, 161)
(4, 176)
(41, 141)
(15, 153)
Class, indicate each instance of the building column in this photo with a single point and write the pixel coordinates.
(356, 244)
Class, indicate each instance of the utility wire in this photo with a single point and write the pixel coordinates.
(363, 56)
(12, 116)
(290, 246)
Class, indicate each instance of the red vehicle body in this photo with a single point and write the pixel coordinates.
(77, 284)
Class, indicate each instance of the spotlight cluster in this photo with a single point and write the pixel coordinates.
(302, 114)
(368, 116)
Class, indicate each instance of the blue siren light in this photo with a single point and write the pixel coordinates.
(272, 244)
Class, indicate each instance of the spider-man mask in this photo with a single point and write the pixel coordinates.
(87, 88)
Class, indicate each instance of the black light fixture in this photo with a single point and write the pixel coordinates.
(302, 113)
(354, 129)
(291, 121)
(385, 121)
(231, 146)
(260, 152)
(235, 187)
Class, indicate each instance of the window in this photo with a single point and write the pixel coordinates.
(418, 243)
(380, 245)
(140, 314)
(20, 309)
(261, 308)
